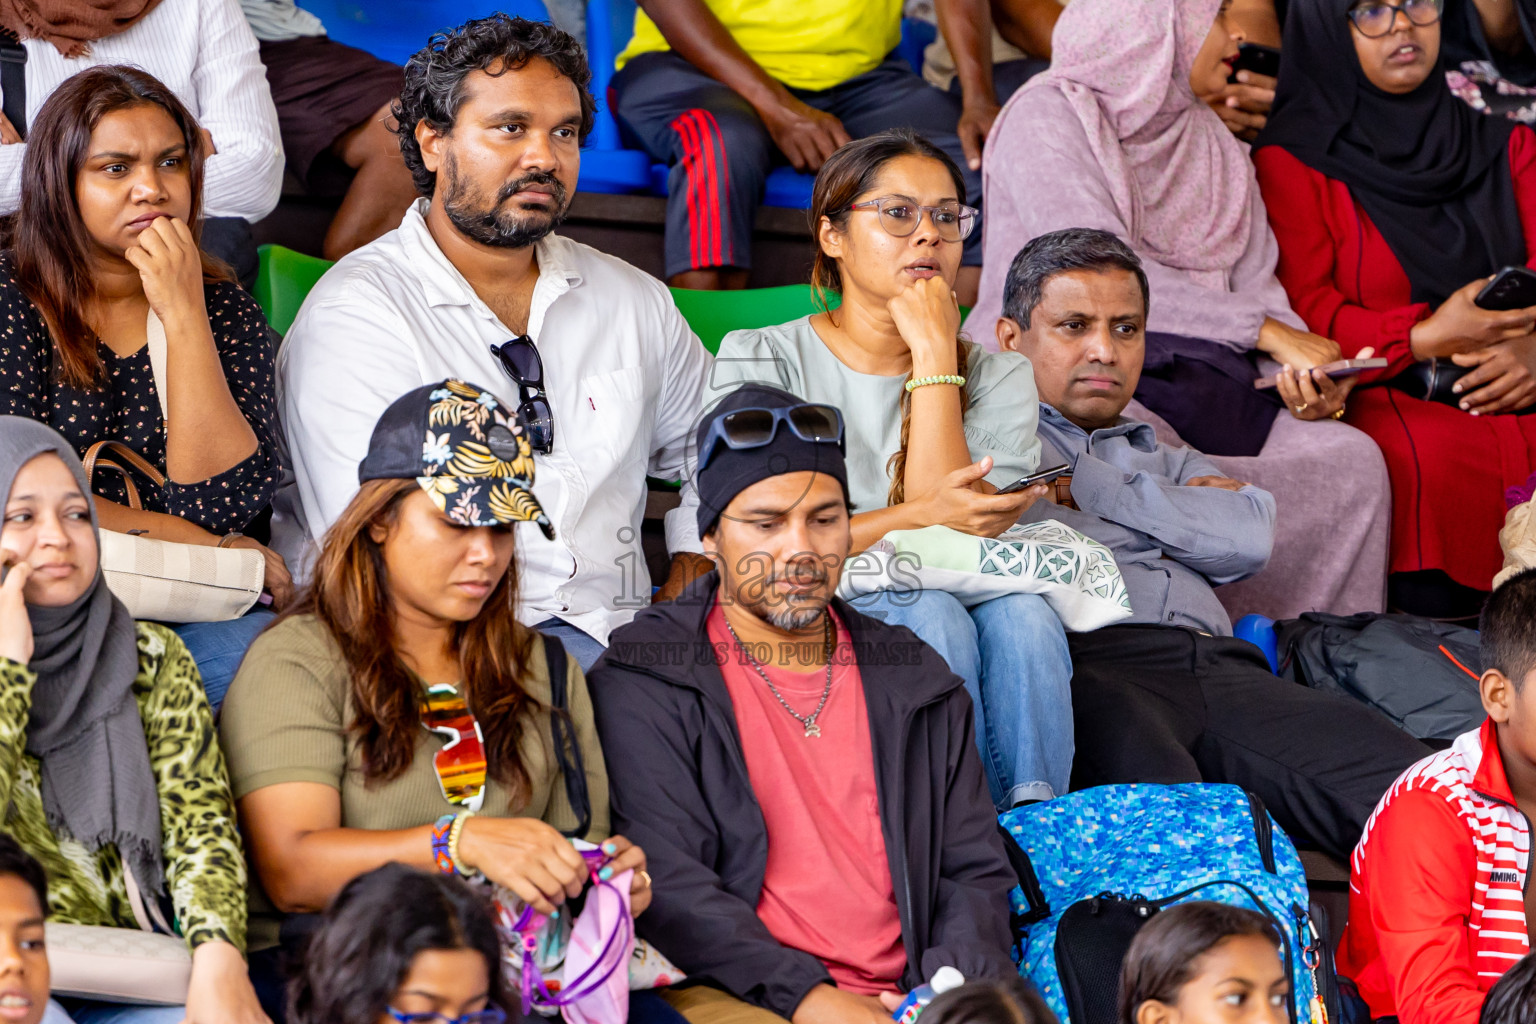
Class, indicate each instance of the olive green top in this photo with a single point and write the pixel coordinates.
(285, 720)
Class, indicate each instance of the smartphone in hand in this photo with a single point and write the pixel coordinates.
(1342, 368)
(1511, 288)
(1261, 60)
(1043, 476)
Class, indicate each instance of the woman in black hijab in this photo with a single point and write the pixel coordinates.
(110, 770)
(1393, 203)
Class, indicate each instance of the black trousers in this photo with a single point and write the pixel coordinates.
(1168, 705)
(721, 153)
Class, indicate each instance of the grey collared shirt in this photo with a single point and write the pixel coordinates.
(1173, 542)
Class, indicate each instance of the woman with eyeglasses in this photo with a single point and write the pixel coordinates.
(1394, 203)
(934, 426)
(401, 946)
(1115, 136)
(399, 711)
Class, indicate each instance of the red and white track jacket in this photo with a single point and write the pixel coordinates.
(1437, 888)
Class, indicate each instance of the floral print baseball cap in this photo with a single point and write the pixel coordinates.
(466, 449)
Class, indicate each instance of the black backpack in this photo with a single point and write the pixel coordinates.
(1420, 673)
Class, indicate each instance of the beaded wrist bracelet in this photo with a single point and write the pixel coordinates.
(441, 856)
(454, 834)
(943, 378)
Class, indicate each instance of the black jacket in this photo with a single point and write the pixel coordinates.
(680, 790)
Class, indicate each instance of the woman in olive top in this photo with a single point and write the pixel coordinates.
(110, 773)
(335, 725)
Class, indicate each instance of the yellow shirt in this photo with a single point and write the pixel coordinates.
(805, 44)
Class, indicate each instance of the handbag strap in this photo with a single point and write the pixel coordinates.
(563, 730)
(127, 456)
(154, 336)
(13, 81)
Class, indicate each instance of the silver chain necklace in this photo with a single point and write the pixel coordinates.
(812, 730)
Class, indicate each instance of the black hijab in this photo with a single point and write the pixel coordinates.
(1462, 41)
(1432, 173)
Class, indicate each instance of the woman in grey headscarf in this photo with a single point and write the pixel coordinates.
(110, 768)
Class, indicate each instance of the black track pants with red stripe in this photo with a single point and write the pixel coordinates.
(721, 153)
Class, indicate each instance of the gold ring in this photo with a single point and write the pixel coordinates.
(645, 879)
(1339, 415)
(1302, 408)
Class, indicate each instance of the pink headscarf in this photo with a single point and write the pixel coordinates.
(1180, 180)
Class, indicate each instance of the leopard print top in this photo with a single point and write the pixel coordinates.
(204, 861)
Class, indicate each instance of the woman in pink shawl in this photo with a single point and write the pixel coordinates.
(1114, 137)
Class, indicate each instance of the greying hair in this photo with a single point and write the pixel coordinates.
(434, 76)
(1057, 252)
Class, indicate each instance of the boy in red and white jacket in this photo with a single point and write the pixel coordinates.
(1438, 900)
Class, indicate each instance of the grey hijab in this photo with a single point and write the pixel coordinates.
(84, 729)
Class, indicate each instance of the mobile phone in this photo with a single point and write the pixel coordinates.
(1340, 369)
(1511, 288)
(1261, 60)
(1043, 476)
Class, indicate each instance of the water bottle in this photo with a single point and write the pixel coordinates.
(944, 979)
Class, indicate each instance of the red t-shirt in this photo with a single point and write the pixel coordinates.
(827, 889)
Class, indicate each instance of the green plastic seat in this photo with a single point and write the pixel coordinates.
(713, 315)
(283, 280)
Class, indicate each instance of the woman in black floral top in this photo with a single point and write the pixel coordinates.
(105, 253)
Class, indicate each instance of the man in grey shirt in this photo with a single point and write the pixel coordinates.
(1171, 696)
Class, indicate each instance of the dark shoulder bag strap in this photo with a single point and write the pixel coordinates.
(563, 730)
(13, 81)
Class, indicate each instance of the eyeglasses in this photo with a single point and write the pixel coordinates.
(755, 428)
(489, 1015)
(1374, 20)
(460, 763)
(900, 217)
(520, 359)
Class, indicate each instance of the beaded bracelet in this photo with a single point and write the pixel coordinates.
(441, 850)
(943, 378)
(454, 834)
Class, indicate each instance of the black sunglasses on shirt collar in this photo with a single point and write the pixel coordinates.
(520, 360)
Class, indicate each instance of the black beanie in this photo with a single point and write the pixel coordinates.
(731, 471)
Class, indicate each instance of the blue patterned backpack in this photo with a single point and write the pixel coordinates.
(1095, 865)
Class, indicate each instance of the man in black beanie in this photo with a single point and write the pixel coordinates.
(804, 779)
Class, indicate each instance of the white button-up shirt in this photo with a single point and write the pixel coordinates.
(624, 375)
(204, 52)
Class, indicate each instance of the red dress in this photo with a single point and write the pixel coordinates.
(1449, 469)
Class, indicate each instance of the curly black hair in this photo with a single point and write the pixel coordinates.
(372, 932)
(434, 77)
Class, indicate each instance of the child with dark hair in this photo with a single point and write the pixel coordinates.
(403, 944)
(24, 977)
(1437, 904)
(1512, 1000)
(1010, 1001)
(1205, 963)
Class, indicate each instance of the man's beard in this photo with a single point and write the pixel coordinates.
(488, 223)
(790, 615)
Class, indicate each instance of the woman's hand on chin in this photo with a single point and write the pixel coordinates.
(171, 268)
(15, 625)
(928, 319)
(221, 992)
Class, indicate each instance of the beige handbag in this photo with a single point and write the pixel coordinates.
(120, 965)
(164, 581)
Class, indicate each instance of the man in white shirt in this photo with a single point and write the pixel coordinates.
(491, 128)
(204, 52)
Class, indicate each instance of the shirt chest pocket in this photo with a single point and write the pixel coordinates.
(613, 415)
